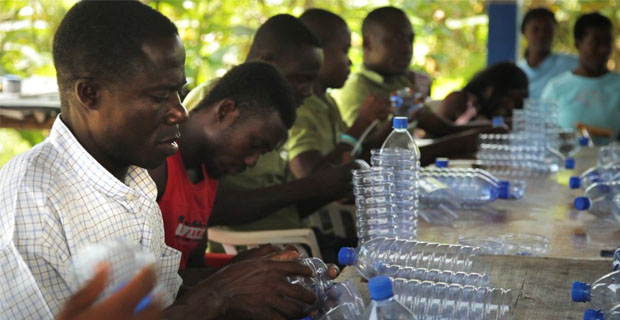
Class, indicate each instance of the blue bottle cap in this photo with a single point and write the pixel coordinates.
(569, 163)
(574, 182)
(582, 203)
(504, 189)
(347, 256)
(400, 123)
(396, 100)
(497, 121)
(584, 141)
(380, 288)
(592, 314)
(580, 291)
(441, 162)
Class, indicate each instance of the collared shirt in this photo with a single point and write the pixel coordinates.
(270, 170)
(318, 127)
(591, 101)
(553, 65)
(62, 199)
(361, 84)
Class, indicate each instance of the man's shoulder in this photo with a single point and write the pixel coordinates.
(32, 169)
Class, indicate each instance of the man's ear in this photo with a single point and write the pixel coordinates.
(87, 93)
(226, 111)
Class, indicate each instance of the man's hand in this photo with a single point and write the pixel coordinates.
(257, 288)
(373, 108)
(336, 182)
(120, 305)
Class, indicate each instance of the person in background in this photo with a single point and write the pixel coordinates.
(245, 115)
(539, 63)
(492, 92)
(319, 136)
(272, 197)
(589, 96)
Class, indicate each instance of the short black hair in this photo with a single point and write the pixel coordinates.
(589, 20)
(280, 33)
(102, 39)
(255, 87)
(537, 13)
(502, 76)
(379, 16)
(322, 23)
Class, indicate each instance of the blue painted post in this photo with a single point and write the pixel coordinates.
(502, 43)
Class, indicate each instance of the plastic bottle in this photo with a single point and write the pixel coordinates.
(435, 275)
(596, 174)
(437, 202)
(400, 153)
(371, 256)
(598, 199)
(437, 300)
(125, 260)
(616, 208)
(471, 189)
(442, 162)
(383, 305)
(615, 264)
(406, 102)
(374, 192)
(341, 301)
(592, 314)
(319, 283)
(603, 294)
(609, 154)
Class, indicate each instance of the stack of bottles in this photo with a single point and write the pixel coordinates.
(531, 149)
(375, 215)
(399, 156)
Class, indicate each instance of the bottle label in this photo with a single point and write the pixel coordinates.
(430, 184)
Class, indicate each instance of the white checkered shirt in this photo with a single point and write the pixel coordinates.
(56, 198)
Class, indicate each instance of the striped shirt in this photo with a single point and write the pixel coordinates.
(55, 199)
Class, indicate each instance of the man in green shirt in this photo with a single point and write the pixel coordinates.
(388, 47)
(267, 196)
(319, 136)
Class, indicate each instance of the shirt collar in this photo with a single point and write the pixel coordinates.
(84, 166)
(372, 75)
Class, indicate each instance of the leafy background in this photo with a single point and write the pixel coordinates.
(450, 42)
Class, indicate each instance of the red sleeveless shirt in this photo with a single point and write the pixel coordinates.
(185, 207)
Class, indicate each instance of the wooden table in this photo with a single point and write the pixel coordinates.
(540, 285)
(29, 112)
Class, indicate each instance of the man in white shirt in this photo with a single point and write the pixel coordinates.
(120, 66)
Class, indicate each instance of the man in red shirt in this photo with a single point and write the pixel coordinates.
(246, 113)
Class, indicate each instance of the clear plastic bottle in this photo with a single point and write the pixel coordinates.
(610, 172)
(615, 263)
(125, 259)
(374, 254)
(342, 301)
(598, 199)
(435, 275)
(400, 153)
(319, 283)
(609, 154)
(603, 294)
(374, 192)
(383, 305)
(592, 314)
(437, 300)
(406, 102)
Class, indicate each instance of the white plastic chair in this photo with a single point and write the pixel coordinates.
(334, 212)
(229, 238)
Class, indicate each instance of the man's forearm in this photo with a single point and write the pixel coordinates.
(206, 304)
(240, 206)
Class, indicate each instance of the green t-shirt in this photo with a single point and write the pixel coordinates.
(317, 127)
(361, 84)
(271, 169)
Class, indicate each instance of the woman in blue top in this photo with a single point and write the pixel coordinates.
(539, 63)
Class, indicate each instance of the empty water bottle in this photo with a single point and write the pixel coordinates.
(434, 275)
(124, 259)
(615, 264)
(592, 314)
(471, 188)
(603, 294)
(406, 102)
(437, 300)
(342, 301)
(437, 202)
(383, 305)
(616, 208)
(319, 282)
(400, 153)
(598, 199)
(374, 192)
(609, 172)
(374, 254)
(609, 154)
